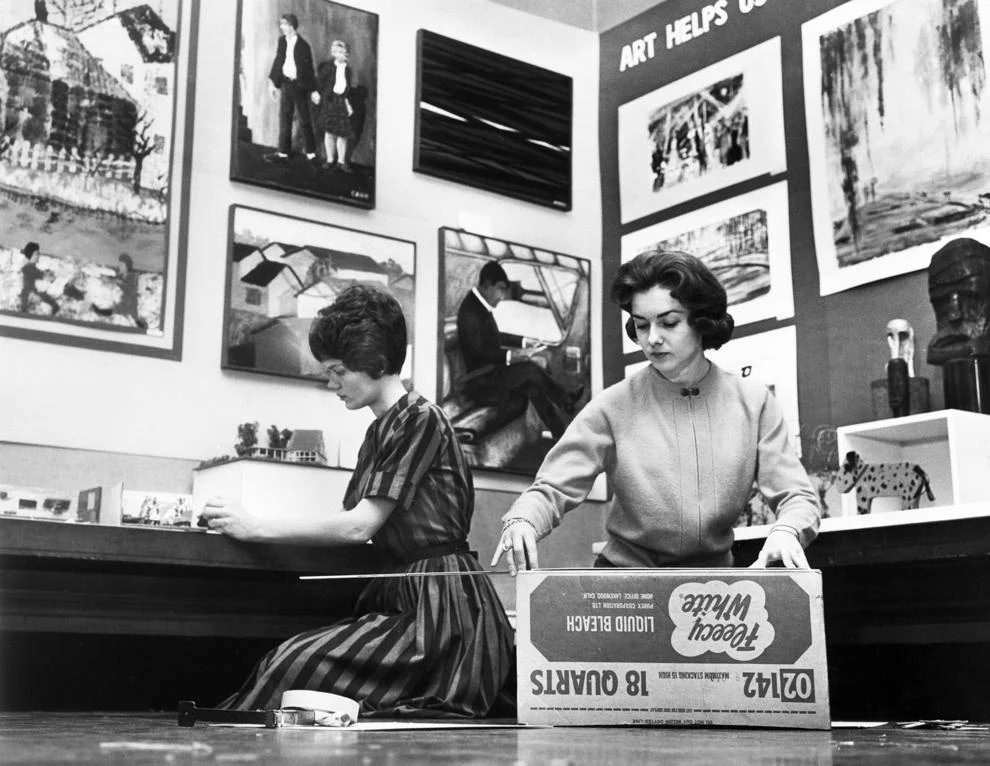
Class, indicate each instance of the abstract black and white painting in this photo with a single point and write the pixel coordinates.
(716, 127)
(898, 113)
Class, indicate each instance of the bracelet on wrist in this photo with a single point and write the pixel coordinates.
(786, 528)
(509, 522)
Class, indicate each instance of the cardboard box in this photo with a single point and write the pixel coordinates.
(671, 647)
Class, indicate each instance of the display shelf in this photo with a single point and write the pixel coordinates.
(882, 519)
(951, 446)
(110, 545)
(87, 578)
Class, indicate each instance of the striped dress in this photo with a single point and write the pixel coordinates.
(426, 646)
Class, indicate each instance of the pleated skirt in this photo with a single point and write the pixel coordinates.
(419, 646)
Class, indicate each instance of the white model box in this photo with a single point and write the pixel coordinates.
(671, 647)
(270, 487)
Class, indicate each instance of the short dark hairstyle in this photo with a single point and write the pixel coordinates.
(127, 261)
(30, 249)
(492, 273)
(292, 19)
(364, 328)
(689, 281)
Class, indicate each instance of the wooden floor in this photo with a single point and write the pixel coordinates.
(154, 738)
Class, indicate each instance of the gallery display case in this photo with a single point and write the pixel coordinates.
(951, 446)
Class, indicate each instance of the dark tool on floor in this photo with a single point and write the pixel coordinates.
(189, 715)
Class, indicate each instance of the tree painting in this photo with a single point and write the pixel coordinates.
(903, 100)
(735, 249)
(744, 240)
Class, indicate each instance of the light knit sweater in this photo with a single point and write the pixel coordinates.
(680, 468)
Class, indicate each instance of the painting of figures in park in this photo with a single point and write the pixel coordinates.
(306, 122)
(898, 110)
(715, 127)
(93, 108)
(744, 240)
(515, 337)
(282, 270)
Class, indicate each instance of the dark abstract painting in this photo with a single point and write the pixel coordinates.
(493, 122)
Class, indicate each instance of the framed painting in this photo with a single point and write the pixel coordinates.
(493, 122)
(96, 111)
(282, 270)
(306, 99)
(515, 338)
(771, 358)
(745, 241)
(898, 116)
(716, 127)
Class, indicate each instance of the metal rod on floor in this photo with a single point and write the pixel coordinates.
(391, 575)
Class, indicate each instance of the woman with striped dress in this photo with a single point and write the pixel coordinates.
(429, 646)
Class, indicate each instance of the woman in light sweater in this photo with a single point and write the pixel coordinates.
(681, 441)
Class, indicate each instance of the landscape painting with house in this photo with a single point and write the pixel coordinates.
(282, 271)
(87, 101)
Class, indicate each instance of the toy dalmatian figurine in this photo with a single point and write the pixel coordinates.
(906, 480)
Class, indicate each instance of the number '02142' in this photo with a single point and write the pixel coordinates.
(789, 685)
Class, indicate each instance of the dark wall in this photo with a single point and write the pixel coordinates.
(840, 338)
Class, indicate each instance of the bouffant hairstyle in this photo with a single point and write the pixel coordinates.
(363, 328)
(689, 281)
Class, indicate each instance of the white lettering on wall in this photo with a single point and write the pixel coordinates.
(637, 52)
(697, 24)
(683, 30)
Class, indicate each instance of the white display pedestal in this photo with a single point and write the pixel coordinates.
(272, 488)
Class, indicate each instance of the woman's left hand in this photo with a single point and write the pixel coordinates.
(782, 546)
(221, 514)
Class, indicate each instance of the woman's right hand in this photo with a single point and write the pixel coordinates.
(518, 543)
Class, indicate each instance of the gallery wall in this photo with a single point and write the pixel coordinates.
(62, 396)
(839, 329)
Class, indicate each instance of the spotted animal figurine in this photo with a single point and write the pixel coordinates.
(906, 480)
